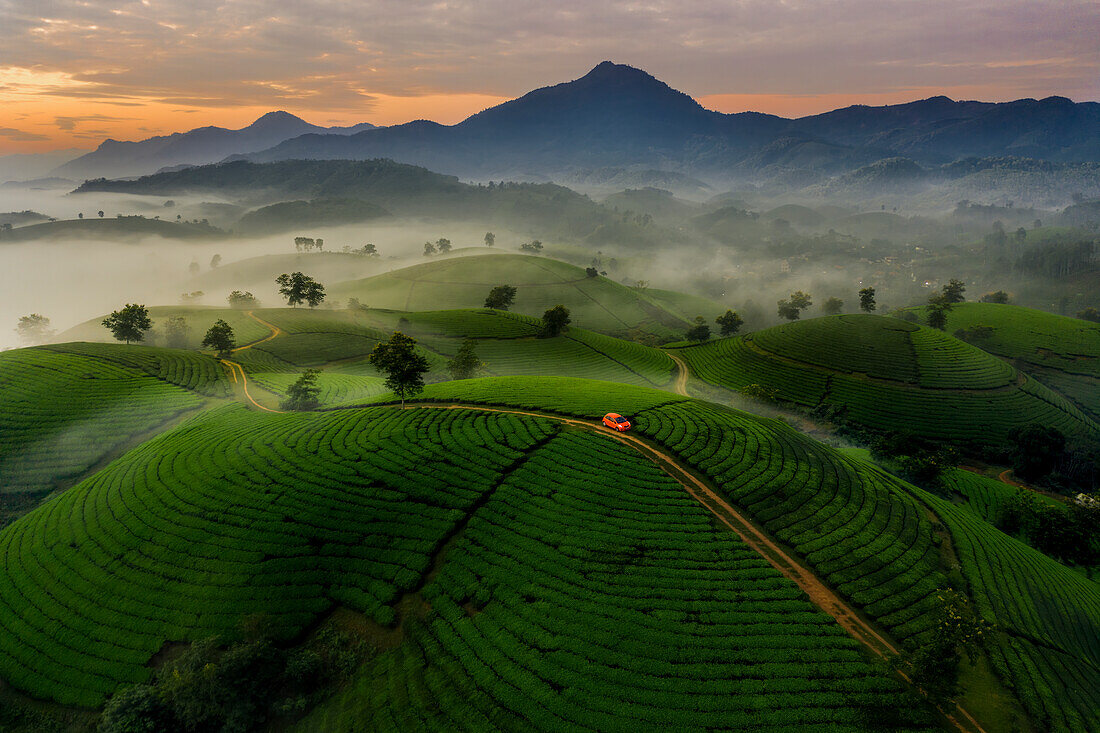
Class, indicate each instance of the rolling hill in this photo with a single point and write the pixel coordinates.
(118, 228)
(596, 303)
(889, 374)
(1061, 352)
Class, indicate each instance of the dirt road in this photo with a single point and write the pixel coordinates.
(682, 374)
(275, 331)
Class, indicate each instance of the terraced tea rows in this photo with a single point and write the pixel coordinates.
(195, 372)
(568, 603)
(1047, 620)
(889, 374)
(863, 534)
(198, 319)
(66, 407)
(232, 514)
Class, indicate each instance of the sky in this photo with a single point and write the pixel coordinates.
(73, 72)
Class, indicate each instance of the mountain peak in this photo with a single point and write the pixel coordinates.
(274, 119)
(608, 71)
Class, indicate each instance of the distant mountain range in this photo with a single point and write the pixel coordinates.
(619, 116)
(117, 159)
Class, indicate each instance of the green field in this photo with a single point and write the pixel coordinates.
(597, 303)
(1061, 352)
(198, 318)
(889, 375)
(66, 407)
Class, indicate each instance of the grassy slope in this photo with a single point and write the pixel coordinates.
(598, 304)
(889, 374)
(1061, 352)
(260, 272)
(114, 228)
(591, 601)
(198, 318)
(66, 406)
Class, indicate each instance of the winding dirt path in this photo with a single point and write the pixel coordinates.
(682, 374)
(275, 331)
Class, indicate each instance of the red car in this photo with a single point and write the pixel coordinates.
(616, 421)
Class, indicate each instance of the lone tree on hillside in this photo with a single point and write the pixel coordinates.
(490, 239)
(729, 323)
(953, 291)
(554, 321)
(465, 363)
(957, 630)
(791, 308)
(533, 246)
(591, 272)
(175, 333)
(219, 337)
(938, 308)
(242, 299)
(1089, 314)
(298, 288)
(429, 249)
(832, 306)
(403, 367)
(215, 261)
(700, 331)
(443, 245)
(501, 297)
(34, 329)
(867, 300)
(129, 323)
(997, 296)
(304, 394)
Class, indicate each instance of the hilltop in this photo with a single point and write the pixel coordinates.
(118, 228)
(888, 374)
(597, 303)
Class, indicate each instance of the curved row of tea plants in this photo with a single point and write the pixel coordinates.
(64, 408)
(571, 603)
(888, 373)
(1046, 641)
(232, 514)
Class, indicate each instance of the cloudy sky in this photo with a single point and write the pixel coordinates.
(73, 72)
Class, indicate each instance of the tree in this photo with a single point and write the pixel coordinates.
(554, 321)
(137, 709)
(242, 299)
(34, 329)
(100, 214)
(957, 629)
(1089, 314)
(490, 239)
(501, 297)
(700, 331)
(533, 246)
(465, 363)
(193, 268)
(939, 306)
(219, 337)
(403, 366)
(953, 291)
(832, 306)
(175, 333)
(319, 243)
(998, 296)
(1036, 450)
(215, 261)
(369, 250)
(443, 245)
(787, 309)
(298, 288)
(429, 249)
(729, 322)
(801, 300)
(80, 215)
(304, 394)
(129, 323)
(867, 300)
(304, 244)
(591, 272)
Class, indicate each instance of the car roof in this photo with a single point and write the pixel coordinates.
(612, 414)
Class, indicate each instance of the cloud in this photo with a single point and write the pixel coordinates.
(68, 124)
(338, 56)
(21, 136)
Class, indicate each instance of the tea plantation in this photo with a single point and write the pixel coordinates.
(1059, 351)
(889, 374)
(67, 406)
